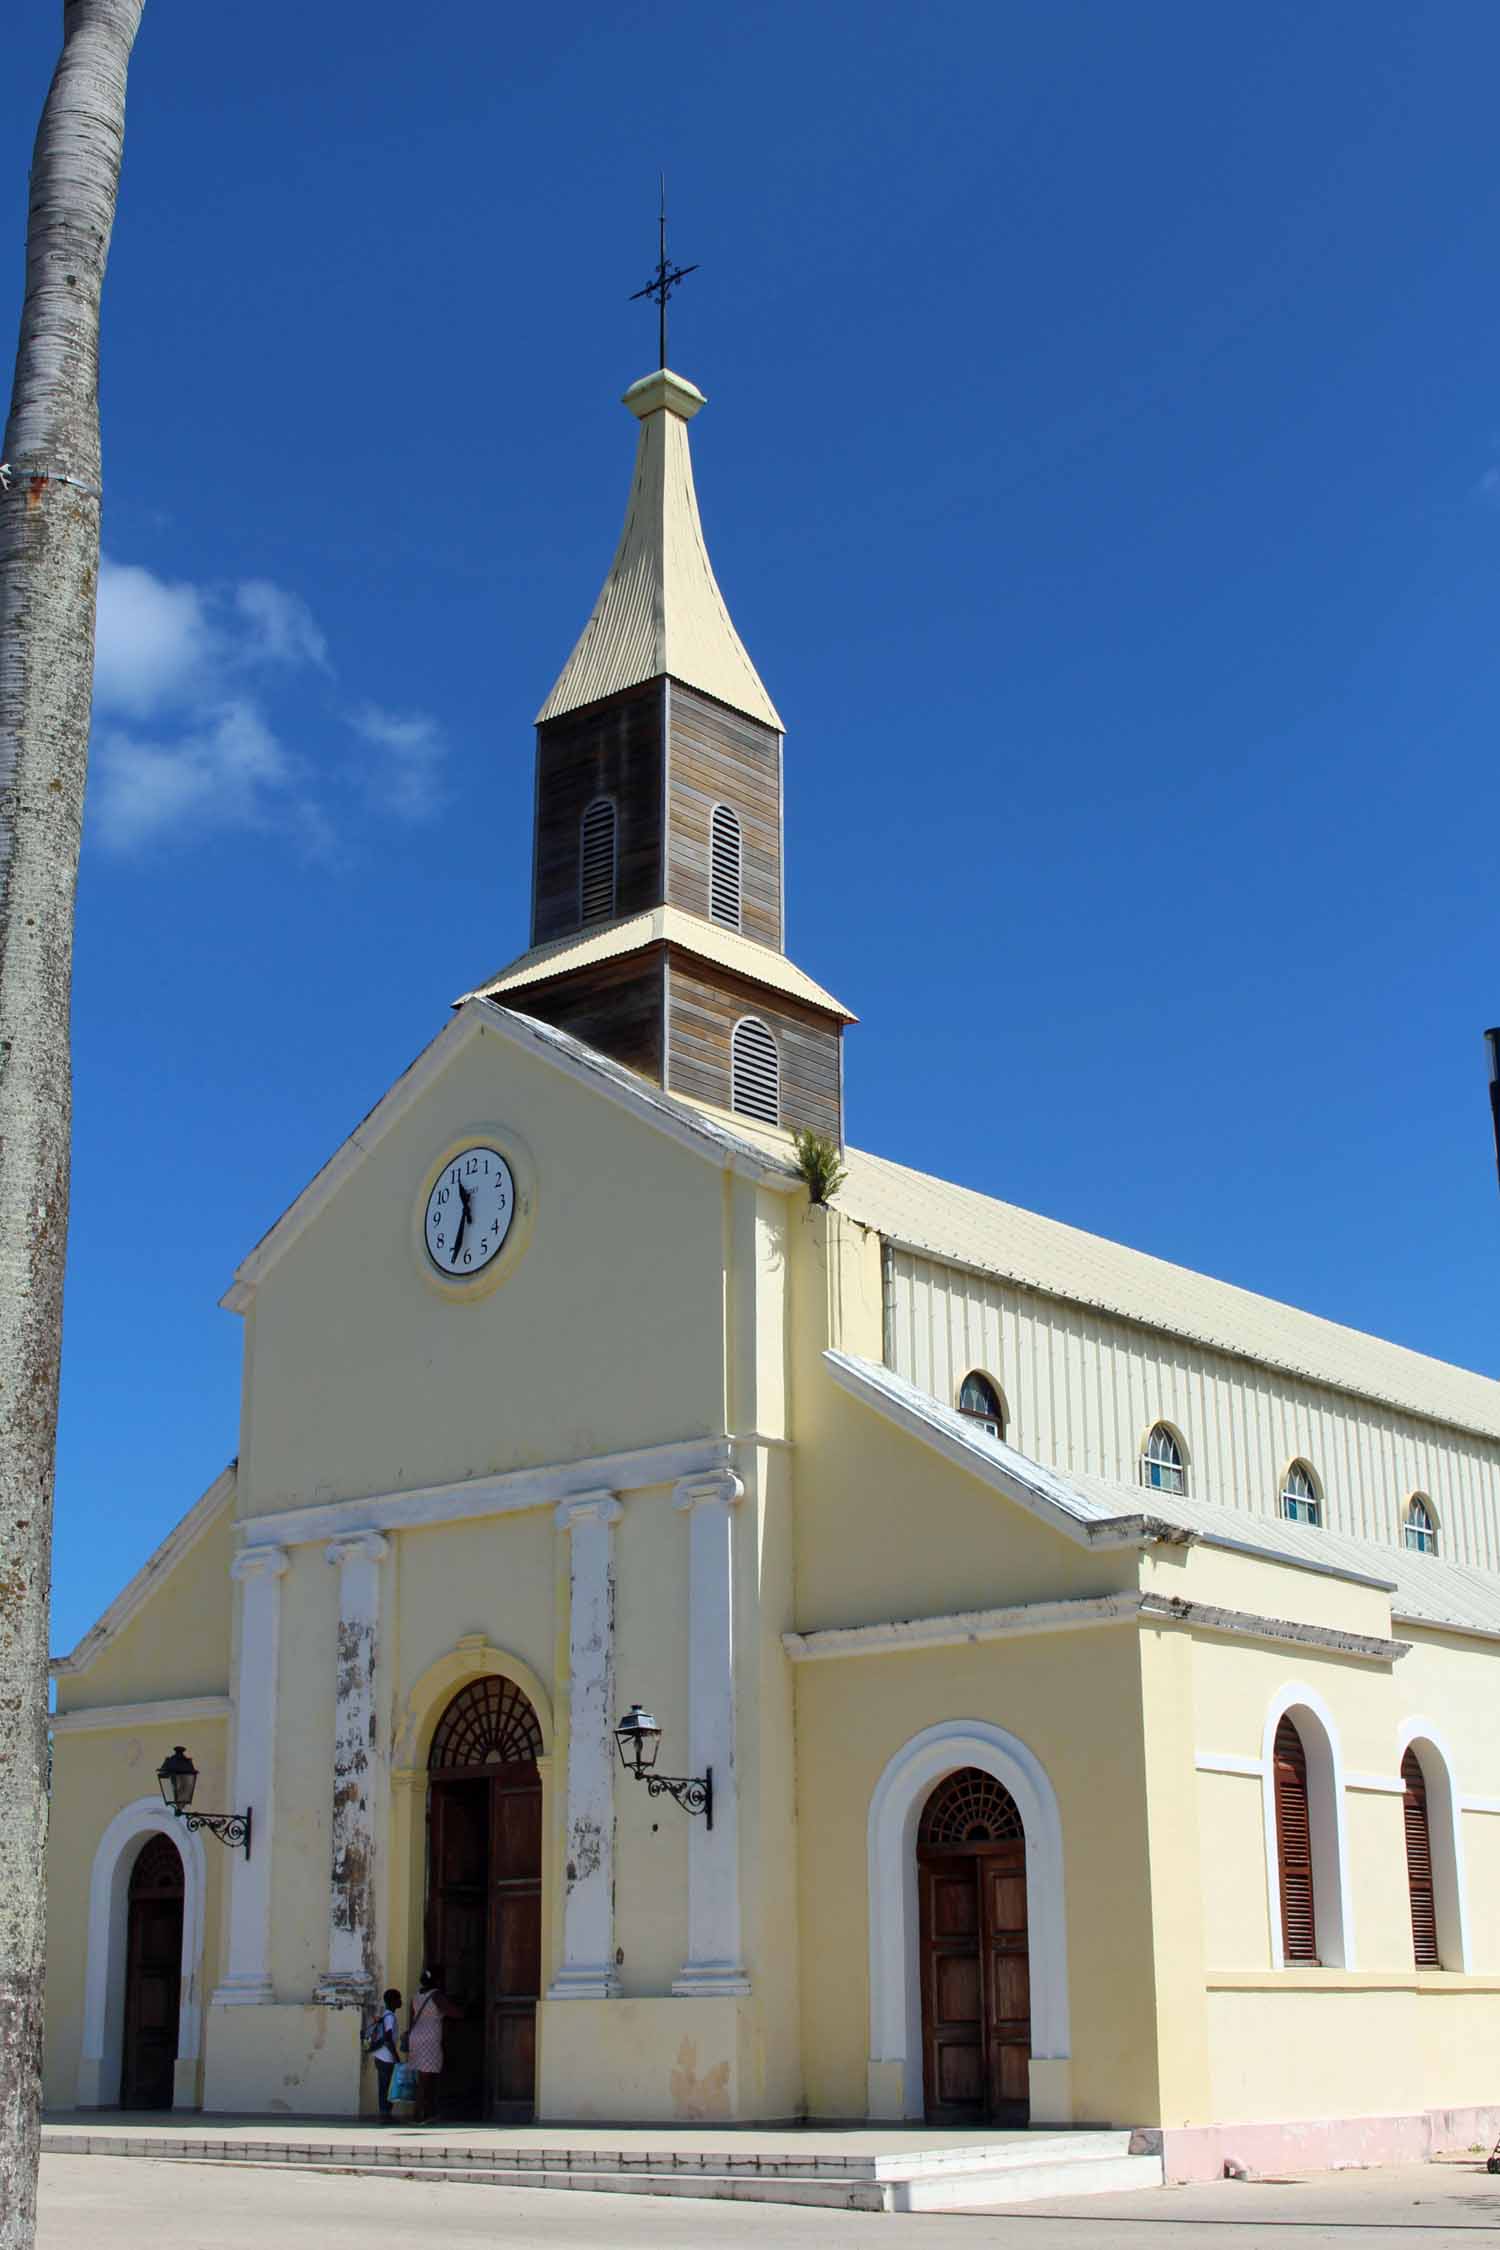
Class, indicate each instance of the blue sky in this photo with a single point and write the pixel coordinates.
(1103, 469)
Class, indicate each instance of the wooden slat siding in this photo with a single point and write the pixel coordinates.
(703, 1006)
(615, 1006)
(1299, 1935)
(1419, 1865)
(611, 749)
(719, 757)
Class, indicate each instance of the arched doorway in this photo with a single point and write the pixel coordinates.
(974, 1961)
(484, 1896)
(153, 1976)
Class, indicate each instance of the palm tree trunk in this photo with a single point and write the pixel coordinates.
(49, 568)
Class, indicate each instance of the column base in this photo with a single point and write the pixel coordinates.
(244, 1992)
(710, 1980)
(585, 1981)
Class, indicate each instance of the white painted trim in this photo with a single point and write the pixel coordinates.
(715, 1963)
(357, 1819)
(1228, 1761)
(1333, 1903)
(183, 1536)
(100, 2053)
(961, 1626)
(895, 1810)
(1480, 1804)
(587, 1969)
(510, 1494)
(168, 1711)
(688, 1128)
(258, 1571)
(1375, 1784)
(1445, 1838)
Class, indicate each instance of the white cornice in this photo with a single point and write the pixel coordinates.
(179, 1540)
(168, 1711)
(1074, 1615)
(506, 1495)
(474, 1018)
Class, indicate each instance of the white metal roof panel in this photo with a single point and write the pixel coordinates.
(959, 1225)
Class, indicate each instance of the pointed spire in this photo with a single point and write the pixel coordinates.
(660, 610)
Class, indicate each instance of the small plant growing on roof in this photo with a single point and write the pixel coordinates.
(819, 1162)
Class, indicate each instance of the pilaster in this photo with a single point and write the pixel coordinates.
(247, 1979)
(713, 1966)
(358, 1771)
(587, 1968)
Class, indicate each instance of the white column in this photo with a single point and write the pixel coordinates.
(587, 1970)
(358, 1771)
(713, 1964)
(247, 1977)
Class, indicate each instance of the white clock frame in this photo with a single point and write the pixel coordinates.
(472, 1287)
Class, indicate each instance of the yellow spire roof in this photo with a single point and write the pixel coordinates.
(660, 609)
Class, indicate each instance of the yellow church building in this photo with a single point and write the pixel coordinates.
(1077, 1678)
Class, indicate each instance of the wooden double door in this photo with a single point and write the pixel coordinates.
(976, 1985)
(153, 1977)
(484, 1932)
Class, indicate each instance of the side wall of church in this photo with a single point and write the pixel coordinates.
(1083, 1390)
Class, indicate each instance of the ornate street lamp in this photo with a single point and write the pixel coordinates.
(639, 1738)
(178, 1777)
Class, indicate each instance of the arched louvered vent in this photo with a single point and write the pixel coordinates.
(970, 1807)
(1419, 1864)
(1299, 1931)
(755, 1072)
(157, 1872)
(597, 861)
(725, 857)
(488, 1723)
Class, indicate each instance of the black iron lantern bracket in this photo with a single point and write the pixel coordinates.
(693, 1795)
(639, 1738)
(232, 1828)
(178, 1778)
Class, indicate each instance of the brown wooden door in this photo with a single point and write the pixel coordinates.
(976, 1998)
(457, 1919)
(153, 1977)
(484, 1931)
(514, 1945)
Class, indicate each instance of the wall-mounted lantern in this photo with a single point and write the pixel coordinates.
(639, 1738)
(178, 1777)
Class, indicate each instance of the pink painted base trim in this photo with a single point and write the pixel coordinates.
(1316, 2144)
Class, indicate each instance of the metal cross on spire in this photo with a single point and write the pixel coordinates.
(667, 276)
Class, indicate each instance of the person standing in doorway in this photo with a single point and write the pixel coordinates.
(424, 2039)
(383, 2042)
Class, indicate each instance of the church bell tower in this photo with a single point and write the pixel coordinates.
(657, 912)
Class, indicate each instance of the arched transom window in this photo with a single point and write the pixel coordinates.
(1421, 1525)
(1162, 1464)
(488, 1723)
(970, 1807)
(1299, 1495)
(754, 1072)
(597, 861)
(982, 1403)
(725, 861)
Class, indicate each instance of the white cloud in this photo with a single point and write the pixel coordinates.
(152, 640)
(283, 628)
(405, 776)
(1488, 487)
(230, 772)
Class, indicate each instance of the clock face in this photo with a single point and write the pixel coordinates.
(469, 1211)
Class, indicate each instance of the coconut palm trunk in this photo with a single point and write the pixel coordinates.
(49, 569)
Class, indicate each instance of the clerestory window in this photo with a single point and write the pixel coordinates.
(1162, 1465)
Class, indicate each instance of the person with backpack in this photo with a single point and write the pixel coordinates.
(383, 2046)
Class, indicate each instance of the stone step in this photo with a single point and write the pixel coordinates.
(1002, 2184)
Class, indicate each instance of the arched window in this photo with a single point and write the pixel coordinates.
(979, 1399)
(1419, 1884)
(488, 1723)
(597, 861)
(1162, 1465)
(1300, 1502)
(1421, 1525)
(970, 1807)
(754, 1072)
(1299, 1927)
(725, 858)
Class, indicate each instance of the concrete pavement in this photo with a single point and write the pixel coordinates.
(140, 2204)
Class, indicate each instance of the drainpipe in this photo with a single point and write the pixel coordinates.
(888, 1304)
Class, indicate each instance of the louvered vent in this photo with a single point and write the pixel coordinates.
(596, 862)
(755, 1072)
(1419, 1865)
(1299, 1934)
(724, 855)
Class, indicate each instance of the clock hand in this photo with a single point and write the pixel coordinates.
(466, 1199)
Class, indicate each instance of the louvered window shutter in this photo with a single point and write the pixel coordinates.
(1299, 1932)
(1419, 1865)
(596, 862)
(755, 1072)
(724, 859)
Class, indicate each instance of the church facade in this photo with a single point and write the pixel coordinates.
(1086, 1671)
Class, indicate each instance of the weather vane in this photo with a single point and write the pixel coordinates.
(667, 275)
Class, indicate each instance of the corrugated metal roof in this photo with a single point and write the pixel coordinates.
(710, 941)
(961, 1226)
(1423, 1588)
(660, 609)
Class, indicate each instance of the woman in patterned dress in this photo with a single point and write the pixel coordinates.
(424, 2038)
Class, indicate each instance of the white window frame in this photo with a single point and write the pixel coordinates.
(1425, 1541)
(1301, 1507)
(1150, 1461)
(1333, 1905)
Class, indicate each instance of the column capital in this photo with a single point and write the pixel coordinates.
(260, 1562)
(719, 1487)
(357, 1546)
(588, 1507)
